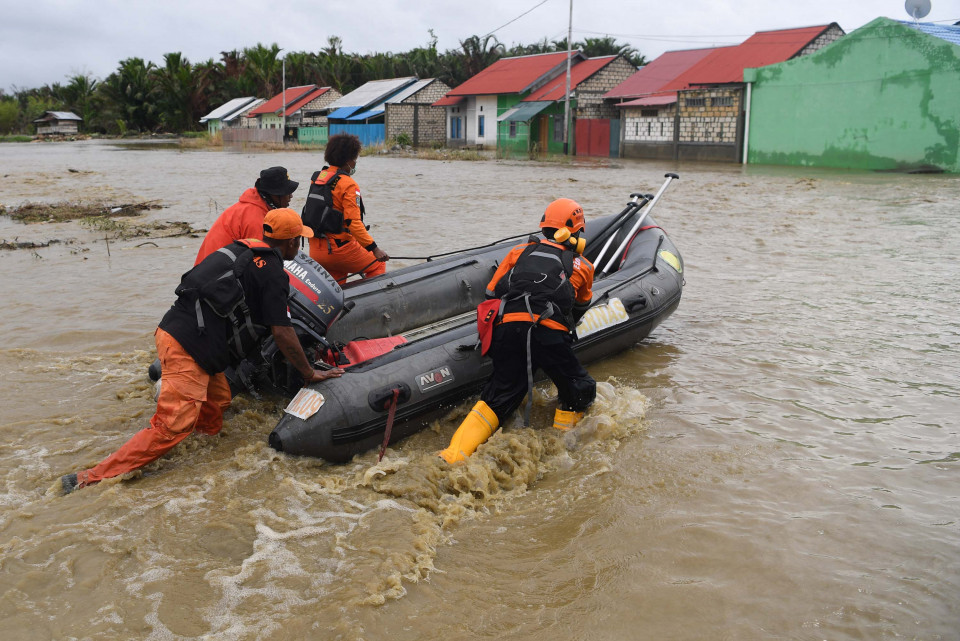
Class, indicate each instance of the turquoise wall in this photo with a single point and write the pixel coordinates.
(312, 136)
(885, 96)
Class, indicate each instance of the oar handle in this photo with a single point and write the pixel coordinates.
(616, 255)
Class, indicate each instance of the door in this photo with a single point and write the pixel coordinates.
(593, 137)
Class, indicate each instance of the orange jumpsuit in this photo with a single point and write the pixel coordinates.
(244, 219)
(349, 252)
(190, 400)
(191, 397)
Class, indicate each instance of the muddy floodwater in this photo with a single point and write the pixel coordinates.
(779, 460)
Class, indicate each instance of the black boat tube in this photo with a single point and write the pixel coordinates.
(441, 369)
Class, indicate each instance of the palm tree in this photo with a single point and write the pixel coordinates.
(608, 46)
(79, 96)
(181, 92)
(478, 54)
(264, 68)
(130, 92)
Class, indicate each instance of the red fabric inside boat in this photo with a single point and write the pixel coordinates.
(360, 351)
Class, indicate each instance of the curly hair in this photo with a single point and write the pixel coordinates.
(341, 149)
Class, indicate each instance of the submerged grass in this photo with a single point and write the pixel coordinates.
(63, 211)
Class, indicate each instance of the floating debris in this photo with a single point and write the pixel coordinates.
(26, 244)
(59, 212)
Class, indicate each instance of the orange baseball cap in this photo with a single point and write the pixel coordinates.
(284, 224)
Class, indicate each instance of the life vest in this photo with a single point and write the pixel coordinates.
(318, 212)
(216, 283)
(539, 284)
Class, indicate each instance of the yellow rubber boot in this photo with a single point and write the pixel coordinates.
(476, 428)
(566, 419)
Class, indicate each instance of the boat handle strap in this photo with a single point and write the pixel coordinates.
(391, 413)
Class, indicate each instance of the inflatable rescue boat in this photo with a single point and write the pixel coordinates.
(408, 339)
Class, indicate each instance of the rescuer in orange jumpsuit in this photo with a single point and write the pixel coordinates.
(244, 219)
(196, 344)
(544, 288)
(352, 250)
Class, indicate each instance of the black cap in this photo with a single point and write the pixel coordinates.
(276, 182)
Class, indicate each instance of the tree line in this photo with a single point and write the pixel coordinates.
(143, 97)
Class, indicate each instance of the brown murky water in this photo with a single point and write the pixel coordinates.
(779, 461)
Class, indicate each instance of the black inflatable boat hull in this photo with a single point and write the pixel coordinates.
(440, 369)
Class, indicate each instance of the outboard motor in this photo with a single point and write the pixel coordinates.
(316, 299)
(315, 303)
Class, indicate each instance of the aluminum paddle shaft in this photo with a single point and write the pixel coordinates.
(610, 231)
(636, 226)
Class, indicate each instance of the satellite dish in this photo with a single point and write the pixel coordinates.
(917, 9)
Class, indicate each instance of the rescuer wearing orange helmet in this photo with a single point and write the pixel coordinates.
(208, 329)
(544, 287)
(342, 245)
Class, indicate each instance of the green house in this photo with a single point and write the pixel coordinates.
(518, 104)
(485, 110)
(884, 97)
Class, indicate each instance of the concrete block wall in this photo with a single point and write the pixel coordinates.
(317, 104)
(589, 93)
(832, 34)
(714, 121)
(416, 117)
(429, 94)
(639, 128)
(431, 122)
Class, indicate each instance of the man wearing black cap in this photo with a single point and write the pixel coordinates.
(273, 190)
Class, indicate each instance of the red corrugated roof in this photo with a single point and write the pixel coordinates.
(296, 97)
(677, 70)
(652, 77)
(448, 101)
(512, 75)
(579, 72)
(763, 48)
(650, 101)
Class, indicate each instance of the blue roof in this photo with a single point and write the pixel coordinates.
(367, 114)
(343, 112)
(950, 33)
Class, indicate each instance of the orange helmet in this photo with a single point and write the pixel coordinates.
(563, 212)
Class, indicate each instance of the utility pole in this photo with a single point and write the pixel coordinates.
(283, 107)
(566, 93)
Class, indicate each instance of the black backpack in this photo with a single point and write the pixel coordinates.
(318, 212)
(216, 282)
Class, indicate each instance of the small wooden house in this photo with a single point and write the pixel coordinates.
(519, 104)
(58, 123)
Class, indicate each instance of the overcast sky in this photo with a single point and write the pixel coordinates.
(47, 41)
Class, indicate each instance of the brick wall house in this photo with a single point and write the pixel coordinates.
(415, 115)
